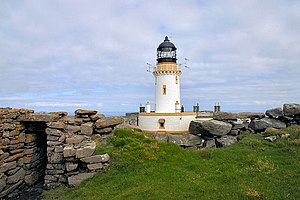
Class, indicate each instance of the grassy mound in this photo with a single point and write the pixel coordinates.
(142, 168)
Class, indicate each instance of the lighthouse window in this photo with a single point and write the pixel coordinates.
(176, 79)
(164, 89)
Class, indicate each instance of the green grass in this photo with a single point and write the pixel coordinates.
(142, 168)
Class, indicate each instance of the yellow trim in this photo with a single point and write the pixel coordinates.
(169, 114)
(166, 132)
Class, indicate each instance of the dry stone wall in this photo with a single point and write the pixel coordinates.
(52, 148)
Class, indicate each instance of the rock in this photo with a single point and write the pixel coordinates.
(86, 151)
(224, 116)
(96, 159)
(271, 138)
(7, 166)
(95, 166)
(233, 132)
(108, 122)
(87, 128)
(2, 181)
(77, 179)
(55, 132)
(10, 189)
(56, 158)
(52, 138)
(74, 139)
(260, 125)
(104, 130)
(187, 140)
(96, 117)
(226, 140)
(42, 117)
(32, 178)
(73, 129)
(209, 127)
(251, 115)
(274, 112)
(19, 175)
(291, 109)
(275, 123)
(161, 137)
(81, 112)
(50, 178)
(70, 166)
(57, 125)
(69, 151)
(209, 144)
(285, 135)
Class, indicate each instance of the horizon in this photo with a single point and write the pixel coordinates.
(61, 56)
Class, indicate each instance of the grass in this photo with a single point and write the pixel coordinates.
(142, 168)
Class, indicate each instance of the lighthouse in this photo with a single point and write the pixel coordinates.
(168, 115)
(167, 79)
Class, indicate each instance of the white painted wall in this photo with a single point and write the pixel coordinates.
(165, 103)
(172, 123)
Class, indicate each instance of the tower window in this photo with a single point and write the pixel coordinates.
(176, 79)
(164, 89)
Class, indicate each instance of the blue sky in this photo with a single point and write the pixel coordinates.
(63, 55)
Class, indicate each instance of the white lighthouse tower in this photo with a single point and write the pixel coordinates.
(168, 117)
(167, 79)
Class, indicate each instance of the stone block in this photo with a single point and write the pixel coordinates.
(32, 178)
(19, 175)
(209, 127)
(87, 128)
(10, 189)
(226, 140)
(72, 128)
(81, 112)
(52, 138)
(69, 151)
(59, 149)
(108, 122)
(291, 109)
(41, 117)
(87, 150)
(55, 132)
(74, 139)
(30, 138)
(95, 166)
(7, 166)
(56, 158)
(104, 130)
(96, 159)
(70, 166)
(56, 125)
(77, 179)
(96, 117)
(51, 178)
(53, 143)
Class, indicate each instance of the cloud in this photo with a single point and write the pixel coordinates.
(240, 53)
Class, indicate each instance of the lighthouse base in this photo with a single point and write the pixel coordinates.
(175, 123)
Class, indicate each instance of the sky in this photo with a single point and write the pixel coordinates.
(93, 54)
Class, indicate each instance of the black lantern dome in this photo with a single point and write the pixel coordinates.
(166, 51)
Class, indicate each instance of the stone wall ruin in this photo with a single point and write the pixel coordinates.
(49, 148)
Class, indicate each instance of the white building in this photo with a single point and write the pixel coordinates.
(168, 116)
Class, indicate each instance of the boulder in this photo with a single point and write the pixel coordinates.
(96, 159)
(251, 115)
(274, 112)
(209, 127)
(260, 125)
(224, 116)
(226, 140)
(77, 179)
(291, 109)
(87, 150)
(275, 123)
(108, 122)
(87, 128)
(85, 112)
(187, 140)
